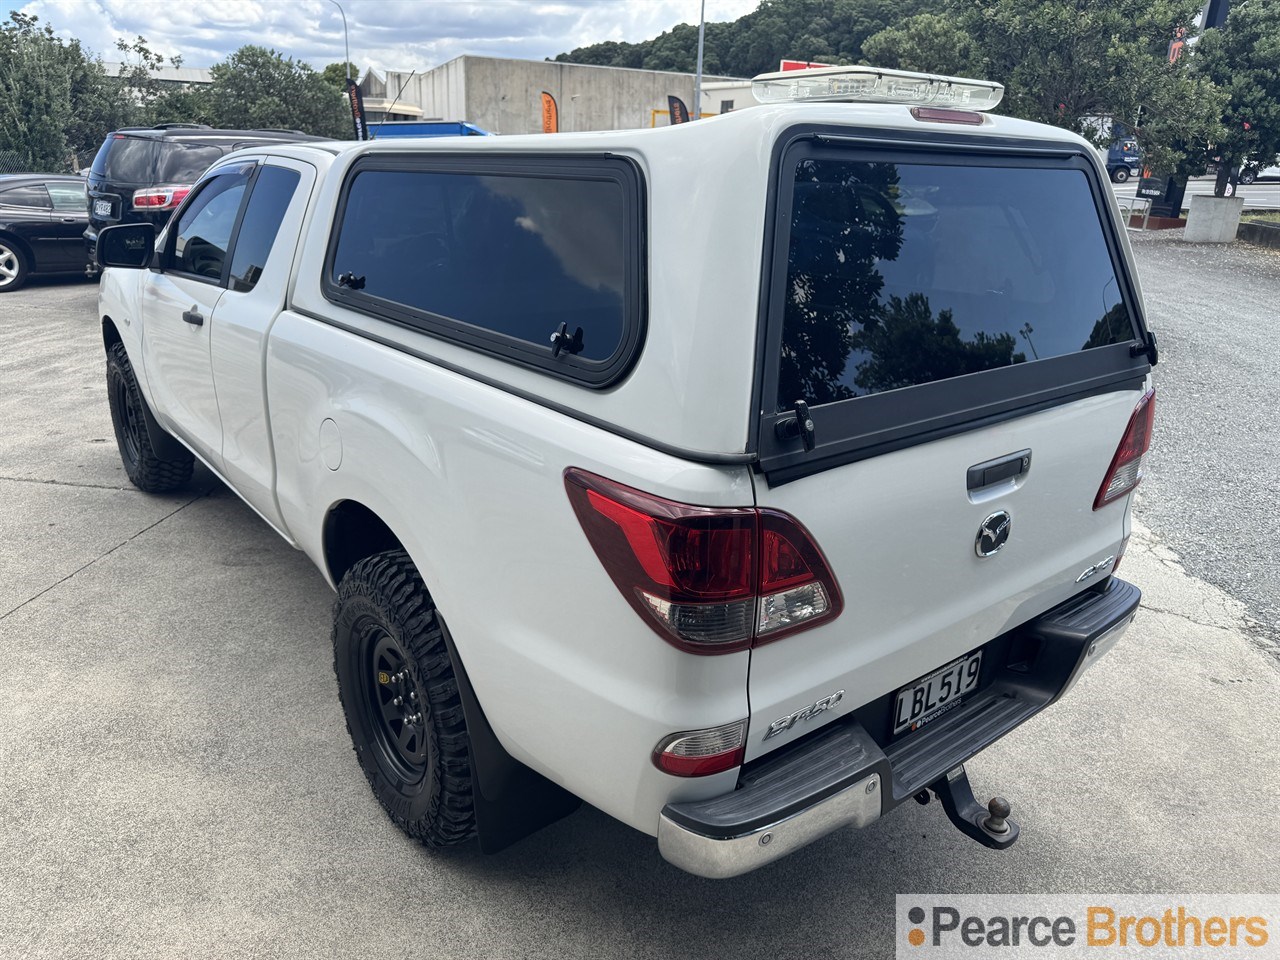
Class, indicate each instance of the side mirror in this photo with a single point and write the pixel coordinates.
(126, 245)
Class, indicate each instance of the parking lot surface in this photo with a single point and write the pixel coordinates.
(176, 778)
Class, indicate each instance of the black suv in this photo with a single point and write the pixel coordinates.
(142, 174)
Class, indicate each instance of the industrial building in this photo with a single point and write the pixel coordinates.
(504, 96)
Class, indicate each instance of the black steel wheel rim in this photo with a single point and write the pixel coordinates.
(129, 420)
(393, 704)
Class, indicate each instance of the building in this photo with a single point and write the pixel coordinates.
(504, 96)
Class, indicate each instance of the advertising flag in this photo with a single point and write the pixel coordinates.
(679, 112)
(356, 99)
(550, 115)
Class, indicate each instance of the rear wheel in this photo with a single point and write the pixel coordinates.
(13, 266)
(145, 469)
(397, 686)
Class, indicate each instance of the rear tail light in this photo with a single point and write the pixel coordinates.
(700, 753)
(159, 198)
(707, 579)
(1126, 466)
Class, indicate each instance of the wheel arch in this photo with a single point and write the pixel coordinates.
(352, 532)
(13, 240)
(110, 333)
(511, 800)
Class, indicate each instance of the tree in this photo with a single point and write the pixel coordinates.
(56, 101)
(1076, 65)
(1243, 58)
(256, 87)
(829, 31)
(335, 74)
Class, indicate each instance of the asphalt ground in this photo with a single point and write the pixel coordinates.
(176, 779)
(1212, 490)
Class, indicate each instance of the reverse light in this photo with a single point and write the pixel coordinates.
(874, 85)
(159, 198)
(700, 753)
(1125, 471)
(706, 579)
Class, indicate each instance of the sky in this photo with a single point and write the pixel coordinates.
(384, 34)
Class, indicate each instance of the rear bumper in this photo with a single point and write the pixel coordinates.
(843, 776)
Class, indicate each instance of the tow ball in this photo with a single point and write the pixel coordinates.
(991, 825)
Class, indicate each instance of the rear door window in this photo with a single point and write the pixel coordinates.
(913, 292)
(538, 262)
(185, 162)
(268, 202)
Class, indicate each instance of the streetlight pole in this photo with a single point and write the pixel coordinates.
(346, 47)
(697, 81)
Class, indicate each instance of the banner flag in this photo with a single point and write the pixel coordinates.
(550, 115)
(356, 99)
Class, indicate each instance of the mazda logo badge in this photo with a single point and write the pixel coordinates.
(993, 534)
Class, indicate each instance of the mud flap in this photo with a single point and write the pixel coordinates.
(511, 801)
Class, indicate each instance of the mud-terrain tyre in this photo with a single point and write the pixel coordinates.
(398, 691)
(144, 468)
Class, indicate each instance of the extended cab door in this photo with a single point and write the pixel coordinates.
(180, 297)
(953, 353)
(261, 260)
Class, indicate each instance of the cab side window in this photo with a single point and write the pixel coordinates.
(202, 236)
(30, 195)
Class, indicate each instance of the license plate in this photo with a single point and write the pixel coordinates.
(102, 208)
(932, 696)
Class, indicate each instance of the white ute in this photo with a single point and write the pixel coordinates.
(742, 478)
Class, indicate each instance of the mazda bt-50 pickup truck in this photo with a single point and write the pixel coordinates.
(742, 479)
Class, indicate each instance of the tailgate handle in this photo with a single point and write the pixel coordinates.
(1002, 468)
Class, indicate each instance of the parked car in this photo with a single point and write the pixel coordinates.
(1254, 172)
(142, 174)
(737, 554)
(42, 219)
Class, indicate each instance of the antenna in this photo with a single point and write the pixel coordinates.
(374, 135)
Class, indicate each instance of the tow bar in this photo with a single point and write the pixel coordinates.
(989, 825)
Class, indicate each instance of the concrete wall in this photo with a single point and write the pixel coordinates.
(504, 96)
(1213, 219)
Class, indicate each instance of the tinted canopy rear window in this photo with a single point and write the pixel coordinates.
(903, 273)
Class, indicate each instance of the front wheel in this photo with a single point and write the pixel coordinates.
(13, 266)
(144, 468)
(1247, 177)
(1120, 175)
(400, 696)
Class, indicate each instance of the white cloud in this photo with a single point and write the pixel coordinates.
(385, 34)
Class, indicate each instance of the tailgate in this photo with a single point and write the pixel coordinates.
(952, 351)
(900, 533)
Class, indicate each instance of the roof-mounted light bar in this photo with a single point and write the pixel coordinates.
(873, 85)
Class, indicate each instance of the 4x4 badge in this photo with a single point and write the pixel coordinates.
(993, 534)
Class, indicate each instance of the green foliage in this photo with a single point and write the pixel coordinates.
(1243, 59)
(829, 31)
(335, 74)
(56, 101)
(256, 87)
(1078, 65)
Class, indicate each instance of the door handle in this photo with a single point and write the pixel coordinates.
(71, 219)
(1002, 468)
(193, 318)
